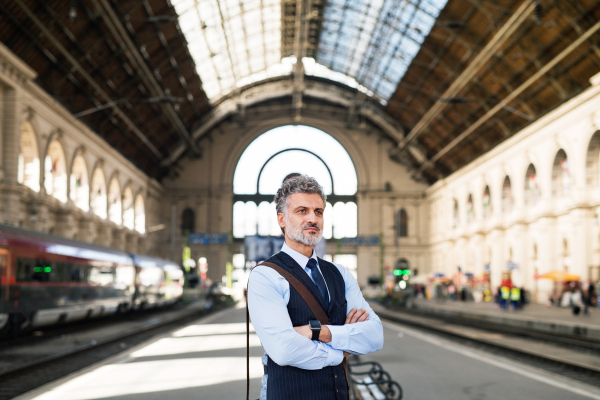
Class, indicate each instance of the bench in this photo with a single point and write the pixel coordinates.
(369, 381)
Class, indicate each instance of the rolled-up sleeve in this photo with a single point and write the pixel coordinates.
(268, 295)
(361, 337)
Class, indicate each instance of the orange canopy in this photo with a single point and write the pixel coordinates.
(559, 276)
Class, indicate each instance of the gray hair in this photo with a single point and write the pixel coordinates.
(297, 184)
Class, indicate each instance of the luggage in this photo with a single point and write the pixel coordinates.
(576, 310)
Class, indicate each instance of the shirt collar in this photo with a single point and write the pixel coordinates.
(301, 259)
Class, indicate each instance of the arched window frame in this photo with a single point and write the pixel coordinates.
(592, 163)
(115, 202)
(140, 214)
(29, 158)
(470, 209)
(401, 223)
(99, 193)
(562, 179)
(79, 188)
(128, 208)
(188, 221)
(486, 202)
(507, 196)
(531, 186)
(455, 213)
(55, 171)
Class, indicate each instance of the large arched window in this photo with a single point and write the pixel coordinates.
(188, 221)
(128, 212)
(532, 190)
(80, 188)
(284, 150)
(115, 206)
(507, 197)
(401, 223)
(29, 159)
(561, 175)
(486, 201)
(55, 172)
(140, 214)
(98, 196)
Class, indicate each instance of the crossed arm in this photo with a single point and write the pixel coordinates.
(268, 295)
(353, 316)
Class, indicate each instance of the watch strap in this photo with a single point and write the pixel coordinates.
(316, 333)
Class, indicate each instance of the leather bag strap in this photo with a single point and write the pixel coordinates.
(310, 300)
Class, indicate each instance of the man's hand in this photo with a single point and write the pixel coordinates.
(324, 336)
(356, 316)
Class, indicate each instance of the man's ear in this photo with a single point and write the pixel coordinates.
(280, 220)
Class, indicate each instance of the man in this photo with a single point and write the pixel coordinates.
(297, 367)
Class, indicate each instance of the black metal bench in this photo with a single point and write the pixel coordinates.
(369, 381)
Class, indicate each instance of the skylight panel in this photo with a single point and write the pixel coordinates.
(374, 41)
(230, 40)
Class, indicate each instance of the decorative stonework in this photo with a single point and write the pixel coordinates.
(15, 69)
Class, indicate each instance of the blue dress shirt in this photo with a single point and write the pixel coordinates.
(268, 296)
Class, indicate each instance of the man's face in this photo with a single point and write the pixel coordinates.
(304, 221)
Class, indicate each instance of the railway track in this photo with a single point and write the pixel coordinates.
(577, 358)
(31, 375)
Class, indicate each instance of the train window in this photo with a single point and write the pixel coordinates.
(39, 270)
(77, 272)
(101, 276)
(36, 270)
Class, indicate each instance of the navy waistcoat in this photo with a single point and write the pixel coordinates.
(291, 383)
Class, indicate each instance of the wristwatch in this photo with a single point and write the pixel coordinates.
(315, 327)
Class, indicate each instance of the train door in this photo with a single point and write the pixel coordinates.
(4, 288)
(4, 275)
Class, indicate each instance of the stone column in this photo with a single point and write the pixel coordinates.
(66, 225)
(131, 243)
(104, 237)
(87, 230)
(118, 238)
(10, 148)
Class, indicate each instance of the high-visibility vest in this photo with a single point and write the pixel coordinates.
(505, 292)
(515, 294)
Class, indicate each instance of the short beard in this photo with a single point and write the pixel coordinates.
(296, 234)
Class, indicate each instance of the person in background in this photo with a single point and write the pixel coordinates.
(577, 301)
(515, 297)
(589, 295)
(523, 300)
(504, 297)
(592, 294)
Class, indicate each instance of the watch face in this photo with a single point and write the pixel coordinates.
(314, 324)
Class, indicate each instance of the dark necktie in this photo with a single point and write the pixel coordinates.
(318, 280)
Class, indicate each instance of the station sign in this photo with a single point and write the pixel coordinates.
(361, 241)
(208, 238)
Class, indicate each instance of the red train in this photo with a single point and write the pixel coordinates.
(47, 279)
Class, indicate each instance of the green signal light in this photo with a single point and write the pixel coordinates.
(37, 269)
(407, 272)
(48, 269)
(397, 272)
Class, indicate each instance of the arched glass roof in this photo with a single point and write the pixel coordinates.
(367, 44)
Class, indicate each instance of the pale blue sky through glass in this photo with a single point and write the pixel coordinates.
(296, 136)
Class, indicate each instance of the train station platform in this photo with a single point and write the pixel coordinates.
(206, 360)
(557, 320)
